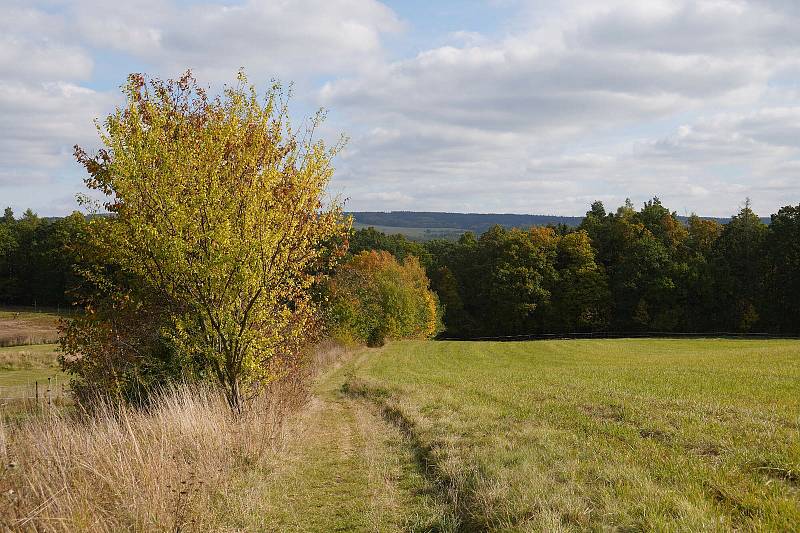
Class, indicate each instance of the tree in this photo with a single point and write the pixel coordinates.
(505, 275)
(374, 298)
(20, 264)
(737, 270)
(447, 288)
(580, 297)
(782, 278)
(643, 254)
(8, 251)
(217, 215)
(700, 307)
(398, 245)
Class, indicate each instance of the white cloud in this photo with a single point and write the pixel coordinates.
(296, 39)
(697, 101)
(48, 52)
(40, 124)
(584, 99)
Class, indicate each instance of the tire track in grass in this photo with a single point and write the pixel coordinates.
(454, 494)
(346, 469)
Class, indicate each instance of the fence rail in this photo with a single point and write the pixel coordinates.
(621, 335)
(39, 392)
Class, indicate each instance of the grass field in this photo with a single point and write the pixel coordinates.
(27, 353)
(21, 368)
(29, 357)
(630, 435)
(621, 435)
(25, 364)
(21, 326)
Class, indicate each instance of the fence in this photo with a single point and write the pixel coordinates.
(39, 393)
(621, 335)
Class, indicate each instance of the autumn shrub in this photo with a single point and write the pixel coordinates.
(219, 232)
(375, 298)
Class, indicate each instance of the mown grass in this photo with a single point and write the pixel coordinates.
(343, 468)
(627, 434)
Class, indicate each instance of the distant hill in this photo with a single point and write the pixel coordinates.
(475, 222)
(425, 225)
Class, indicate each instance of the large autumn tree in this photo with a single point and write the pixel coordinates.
(219, 225)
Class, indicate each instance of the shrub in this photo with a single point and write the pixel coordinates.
(218, 229)
(375, 298)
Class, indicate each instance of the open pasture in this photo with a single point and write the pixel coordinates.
(630, 435)
(28, 355)
(642, 434)
(23, 326)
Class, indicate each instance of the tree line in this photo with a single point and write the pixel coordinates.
(37, 258)
(627, 270)
(622, 271)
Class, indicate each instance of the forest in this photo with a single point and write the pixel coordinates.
(624, 271)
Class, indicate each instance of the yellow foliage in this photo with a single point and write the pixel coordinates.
(218, 208)
(376, 298)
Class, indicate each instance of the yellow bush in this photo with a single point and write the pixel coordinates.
(375, 298)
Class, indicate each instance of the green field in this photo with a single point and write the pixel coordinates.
(21, 365)
(552, 435)
(21, 368)
(25, 325)
(416, 234)
(27, 350)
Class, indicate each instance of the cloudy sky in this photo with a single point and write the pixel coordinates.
(472, 105)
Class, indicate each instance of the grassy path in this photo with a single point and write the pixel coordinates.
(345, 469)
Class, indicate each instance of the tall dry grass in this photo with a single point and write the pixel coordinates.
(172, 468)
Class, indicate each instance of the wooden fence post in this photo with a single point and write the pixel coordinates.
(36, 383)
(49, 395)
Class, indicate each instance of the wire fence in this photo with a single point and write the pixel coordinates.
(43, 393)
(622, 335)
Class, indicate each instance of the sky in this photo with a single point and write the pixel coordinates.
(512, 106)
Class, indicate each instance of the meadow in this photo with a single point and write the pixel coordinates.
(24, 326)
(28, 354)
(624, 434)
(630, 434)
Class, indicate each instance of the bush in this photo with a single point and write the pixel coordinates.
(375, 298)
(218, 222)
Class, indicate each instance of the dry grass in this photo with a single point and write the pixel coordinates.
(129, 470)
(177, 467)
(20, 327)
